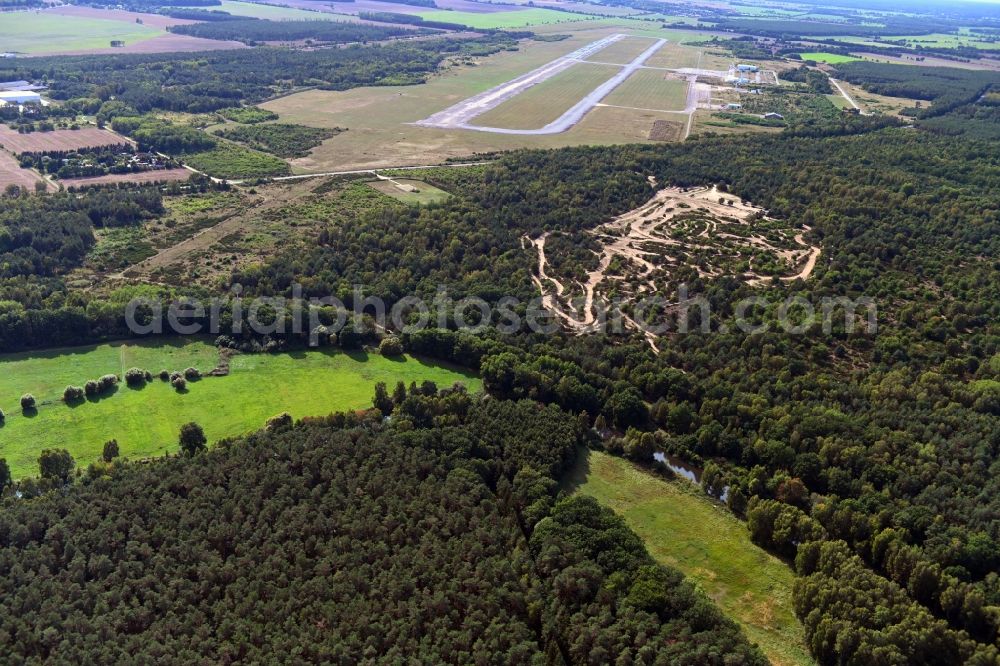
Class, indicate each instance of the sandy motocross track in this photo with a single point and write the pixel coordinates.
(651, 238)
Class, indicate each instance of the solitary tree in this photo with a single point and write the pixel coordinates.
(110, 450)
(390, 346)
(192, 438)
(55, 464)
(27, 402)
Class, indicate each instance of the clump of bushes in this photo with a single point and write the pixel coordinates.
(280, 421)
(179, 383)
(135, 377)
(164, 376)
(73, 394)
(96, 387)
(192, 374)
(390, 346)
(27, 402)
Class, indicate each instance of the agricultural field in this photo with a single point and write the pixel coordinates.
(145, 421)
(11, 173)
(38, 33)
(272, 12)
(57, 140)
(828, 58)
(548, 100)
(156, 176)
(685, 529)
(409, 191)
(521, 18)
(650, 89)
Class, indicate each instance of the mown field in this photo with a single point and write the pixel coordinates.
(44, 32)
(511, 19)
(675, 56)
(829, 58)
(543, 103)
(650, 89)
(686, 530)
(623, 51)
(273, 12)
(422, 194)
(146, 421)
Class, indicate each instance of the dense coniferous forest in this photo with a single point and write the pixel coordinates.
(350, 540)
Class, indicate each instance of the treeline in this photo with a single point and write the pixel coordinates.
(215, 80)
(442, 540)
(152, 6)
(409, 19)
(199, 14)
(796, 29)
(254, 31)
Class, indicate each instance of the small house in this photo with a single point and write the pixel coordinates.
(773, 116)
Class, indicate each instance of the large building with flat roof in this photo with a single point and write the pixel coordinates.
(20, 97)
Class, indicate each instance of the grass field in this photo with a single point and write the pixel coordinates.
(650, 89)
(422, 194)
(623, 51)
(684, 529)
(543, 103)
(273, 12)
(146, 421)
(43, 32)
(829, 58)
(675, 56)
(512, 19)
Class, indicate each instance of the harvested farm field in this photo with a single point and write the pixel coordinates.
(11, 173)
(158, 176)
(88, 137)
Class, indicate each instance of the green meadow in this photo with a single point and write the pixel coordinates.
(829, 58)
(684, 529)
(494, 20)
(146, 421)
(274, 12)
(43, 32)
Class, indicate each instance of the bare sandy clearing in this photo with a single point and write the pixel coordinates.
(678, 235)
